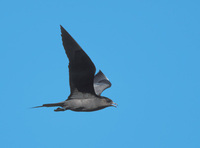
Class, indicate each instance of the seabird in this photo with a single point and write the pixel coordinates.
(85, 86)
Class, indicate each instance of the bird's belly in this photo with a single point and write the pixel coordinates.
(84, 105)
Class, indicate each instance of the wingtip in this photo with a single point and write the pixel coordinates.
(100, 72)
(61, 27)
(63, 31)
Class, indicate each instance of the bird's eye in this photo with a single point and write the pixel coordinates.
(108, 100)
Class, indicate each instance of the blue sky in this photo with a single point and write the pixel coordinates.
(149, 50)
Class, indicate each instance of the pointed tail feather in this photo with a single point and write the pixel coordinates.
(51, 105)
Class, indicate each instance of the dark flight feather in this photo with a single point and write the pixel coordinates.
(81, 68)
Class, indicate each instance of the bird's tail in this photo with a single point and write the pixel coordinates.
(51, 105)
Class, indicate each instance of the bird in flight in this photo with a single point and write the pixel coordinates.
(85, 86)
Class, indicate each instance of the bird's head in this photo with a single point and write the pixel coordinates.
(108, 102)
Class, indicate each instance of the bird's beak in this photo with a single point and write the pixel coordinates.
(114, 104)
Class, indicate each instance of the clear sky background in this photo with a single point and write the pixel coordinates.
(149, 49)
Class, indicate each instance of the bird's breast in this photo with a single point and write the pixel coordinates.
(89, 104)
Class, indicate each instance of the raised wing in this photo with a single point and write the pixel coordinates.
(101, 83)
(81, 68)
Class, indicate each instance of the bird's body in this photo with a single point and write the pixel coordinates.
(89, 104)
(85, 86)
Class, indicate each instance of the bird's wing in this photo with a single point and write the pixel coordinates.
(101, 83)
(81, 68)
